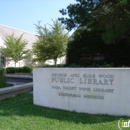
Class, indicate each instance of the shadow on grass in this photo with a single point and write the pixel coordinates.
(23, 106)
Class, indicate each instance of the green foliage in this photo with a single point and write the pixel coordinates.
(100, 64)
(15, 48)
(51, 43)
(114, 21)
(10, 70)
(51, 66)
(84, 45)
(79, 13)
(104, 30)
(2, 78)
(88, 44)
(73, 66)
(118, 53)
(24, 69)
(91, 65)
(29, 58)
(110, 16)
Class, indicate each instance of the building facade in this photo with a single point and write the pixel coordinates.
(2, 58)
(29, 37)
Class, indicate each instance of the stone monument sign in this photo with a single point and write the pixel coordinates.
(87, 90)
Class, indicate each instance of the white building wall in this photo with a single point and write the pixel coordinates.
(29, 37)
(61, 60)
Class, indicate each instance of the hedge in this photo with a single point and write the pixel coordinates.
(2, 78)
(24, 69)
(88, 44)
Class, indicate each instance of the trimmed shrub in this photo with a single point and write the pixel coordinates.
(86, 45)
(10, 70)
(24, 69)
(51, 66)
(19, 69)
(2, 78)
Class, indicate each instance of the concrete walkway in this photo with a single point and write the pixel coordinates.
(17, 79)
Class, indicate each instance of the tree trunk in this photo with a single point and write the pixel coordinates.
(15, 67)
(19, 63)
(55, 61)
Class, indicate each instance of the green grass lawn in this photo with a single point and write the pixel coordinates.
(19, 113)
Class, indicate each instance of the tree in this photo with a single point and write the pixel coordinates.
(15, 48)
(87, 45)
(51, 42)
(107, 18)
(113, 17)
(79, 13)
(110, 16)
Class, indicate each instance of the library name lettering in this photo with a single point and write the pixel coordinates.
(90, 86)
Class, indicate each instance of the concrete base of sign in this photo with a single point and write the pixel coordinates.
(95, 91)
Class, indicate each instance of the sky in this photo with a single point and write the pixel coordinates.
(23, 14)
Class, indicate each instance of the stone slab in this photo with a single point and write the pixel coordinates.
(87, 90)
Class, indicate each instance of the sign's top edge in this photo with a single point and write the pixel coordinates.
(83, 68)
